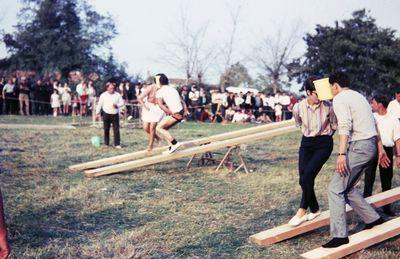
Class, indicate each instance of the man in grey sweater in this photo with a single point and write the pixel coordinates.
(359, 144)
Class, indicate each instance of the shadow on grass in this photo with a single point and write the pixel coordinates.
(37, 228)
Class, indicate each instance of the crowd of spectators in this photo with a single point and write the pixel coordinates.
(25, 96)
(243, 106)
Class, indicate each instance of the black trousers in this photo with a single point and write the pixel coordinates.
(386, 175)
(1, 105)
(9, 103)
(109, 119)
(313, 153)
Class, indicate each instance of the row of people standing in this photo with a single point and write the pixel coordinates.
(21, 96)
(365, 140)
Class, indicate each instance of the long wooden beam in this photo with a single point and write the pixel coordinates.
(358, 241)
(283, 232)
(159, 150)
(187, 152)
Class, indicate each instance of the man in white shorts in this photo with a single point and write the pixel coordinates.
(171, 103)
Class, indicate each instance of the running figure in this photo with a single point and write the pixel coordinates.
(175, 108)
(151, 113)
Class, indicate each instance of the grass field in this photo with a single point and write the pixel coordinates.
(158, 211)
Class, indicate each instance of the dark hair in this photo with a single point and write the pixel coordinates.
(309, 84)
(383, 99)
(163, 79)
(340, 78)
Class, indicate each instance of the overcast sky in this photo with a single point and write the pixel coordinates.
(143, 24)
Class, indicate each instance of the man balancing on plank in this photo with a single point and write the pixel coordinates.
(359, 144)
(174, 107)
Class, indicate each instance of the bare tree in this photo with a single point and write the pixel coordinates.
(187, 51)
(273, 55)
(227, 49)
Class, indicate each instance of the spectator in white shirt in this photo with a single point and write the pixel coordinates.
(194, 96)
(394, 106)
(110, 102)
(389, 129)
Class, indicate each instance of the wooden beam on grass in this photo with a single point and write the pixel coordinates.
(196, 142)
(283, 232)
(358, 241)
(187, 152)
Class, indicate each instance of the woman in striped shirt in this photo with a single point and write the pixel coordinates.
(317, 122)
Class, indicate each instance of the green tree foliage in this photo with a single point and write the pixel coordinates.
(369, 54)
(235, 75)
(60, 35)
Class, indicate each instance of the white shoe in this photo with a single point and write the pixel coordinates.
(171, 149)
(118, 147)
(295, 221)
(312, 216)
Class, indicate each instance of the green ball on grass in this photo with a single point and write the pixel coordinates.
(96, 141)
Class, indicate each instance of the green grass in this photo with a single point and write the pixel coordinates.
(158, 211)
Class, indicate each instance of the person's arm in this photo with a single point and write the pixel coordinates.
(343, 114)
(396, 138)
(296, 115)
(383, 159)
(99, 105)
(341, 161)
(120, 102)
(163, 107)
(141, 97)
(4, 246)
(185, 109)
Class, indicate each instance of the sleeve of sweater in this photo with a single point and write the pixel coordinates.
(343, 115)
(100, 104)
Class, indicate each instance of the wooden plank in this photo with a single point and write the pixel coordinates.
(283, 232)
(187, 152)
(159, 150)
(358, 241)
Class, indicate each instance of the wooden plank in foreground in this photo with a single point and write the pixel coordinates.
(358, 241)
(283, 232)
(159, 150)
(187, 152)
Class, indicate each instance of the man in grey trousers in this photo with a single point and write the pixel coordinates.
(359, 144)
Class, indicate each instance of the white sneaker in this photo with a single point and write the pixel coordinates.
(312, 216)
(295, 221)
(118, 147)
(171, 149)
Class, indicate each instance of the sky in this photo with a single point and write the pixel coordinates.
(146, 25)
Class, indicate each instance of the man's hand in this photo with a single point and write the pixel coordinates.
(383, 159)
(4, 246)
(341, 165)
(97, 117)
